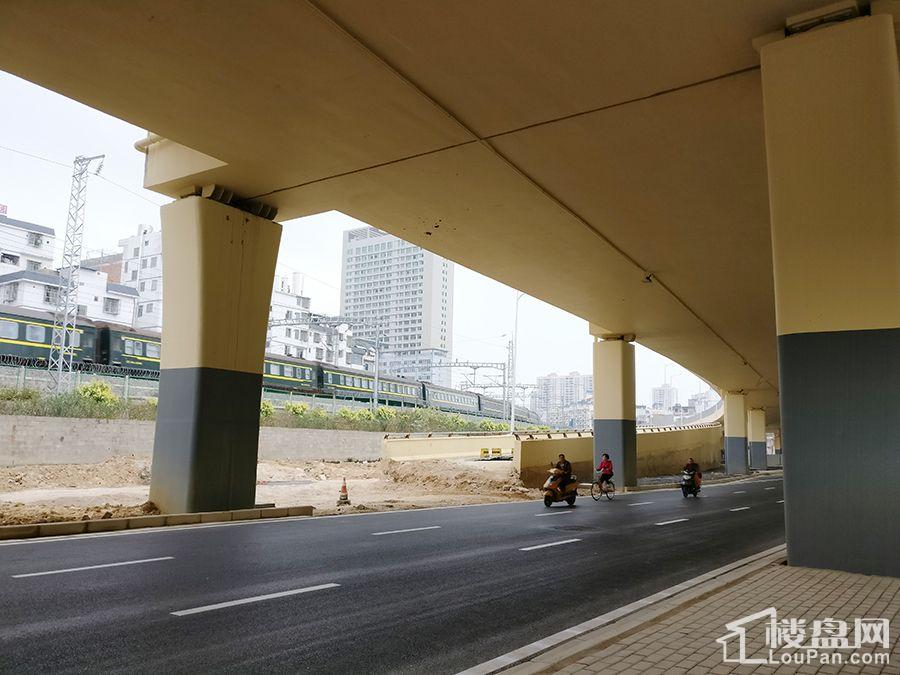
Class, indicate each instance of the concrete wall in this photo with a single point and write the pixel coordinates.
(661, 453)
(444, 447)
(62, 440)
(537, 454)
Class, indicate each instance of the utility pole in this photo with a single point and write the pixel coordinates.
(62, 344)
(512, 359)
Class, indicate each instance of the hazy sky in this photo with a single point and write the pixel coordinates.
(54, 129)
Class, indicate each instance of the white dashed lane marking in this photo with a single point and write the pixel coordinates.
(553, 543)
(640, 503)
(256, 598)
(740, 508)
(412, 529)
(91, 567)
(669, 522)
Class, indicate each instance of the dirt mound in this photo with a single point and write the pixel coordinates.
(113, 472)
(16, 514)
(443, 476)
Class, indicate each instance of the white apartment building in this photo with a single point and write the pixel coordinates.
(25, 246)
(98, 298)
(142, 271)
(556, 394)
(409, 292)
(663, 398)
(295, 335)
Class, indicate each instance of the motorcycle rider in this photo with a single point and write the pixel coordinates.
(566, 468)
(693, 468)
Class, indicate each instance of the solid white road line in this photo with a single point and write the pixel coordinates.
(640, 503)
(555, 543)
(739, 492)
(740, 508)
(769, 488)
(553, 513)
(412, 529)
(257, 598)
(91, 567)
(780, 501)
(669, 522)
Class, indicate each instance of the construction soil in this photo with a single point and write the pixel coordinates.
(119, 487)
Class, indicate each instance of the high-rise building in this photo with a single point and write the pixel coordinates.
(556, 394)
(406, 290)
(664, 397)
(142, 270)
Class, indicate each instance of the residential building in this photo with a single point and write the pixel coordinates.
(25, 246)
(142, 270)
(554, 394)
(406, 290)
(292, 333)
(98, 298)
(664, 398)
(111, 263)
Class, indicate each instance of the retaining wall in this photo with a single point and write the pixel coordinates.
(445, 447)
(67, 440)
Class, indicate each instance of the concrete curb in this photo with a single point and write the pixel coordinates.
(568, 646)
(112, 524)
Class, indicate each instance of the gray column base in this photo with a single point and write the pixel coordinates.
(758, 455)
(840, 397)
(735, 455)
(618, 438)
(207, 437)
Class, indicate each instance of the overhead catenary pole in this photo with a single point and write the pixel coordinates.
(62, 343)
(512, 360)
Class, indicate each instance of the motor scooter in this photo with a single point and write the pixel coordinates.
(553, 493)
(689, 484)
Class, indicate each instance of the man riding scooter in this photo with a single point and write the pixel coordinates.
(565, 466)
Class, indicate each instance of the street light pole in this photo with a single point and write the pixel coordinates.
(512, 376)
(377, 341)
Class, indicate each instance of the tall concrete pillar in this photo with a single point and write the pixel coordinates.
(756, 438)
(615, 429)
(832, 118)
(219, 267)
(735, 434)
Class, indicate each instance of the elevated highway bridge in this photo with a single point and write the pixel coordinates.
(715, 180)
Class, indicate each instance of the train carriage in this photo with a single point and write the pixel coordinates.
(451, 400)
(348, 383)
(26, 336)
(290, 374)
(129, 348)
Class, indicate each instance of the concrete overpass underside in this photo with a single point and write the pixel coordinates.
(608, 158)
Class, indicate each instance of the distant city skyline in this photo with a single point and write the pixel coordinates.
(43, 132)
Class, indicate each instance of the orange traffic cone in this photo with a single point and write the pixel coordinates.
(343, 498)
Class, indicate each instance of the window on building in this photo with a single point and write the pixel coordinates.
(9, 329)
(35, 239)
(35, 333)
(33, 265)
(153, 261)
(111, 306)
(51, 294)
(10, 293)
(9, 259)
(287, 332)
(304, 335)
(153, 285)
(137, 252)
(140, 310)
(153, 349)
(134, 275)
(143, 285)
(319, 354)
(144, 263)
(150, 308)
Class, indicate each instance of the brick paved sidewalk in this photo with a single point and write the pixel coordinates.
(684, 640)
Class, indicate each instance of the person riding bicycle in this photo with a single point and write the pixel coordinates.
(605, 468)
(565, 466)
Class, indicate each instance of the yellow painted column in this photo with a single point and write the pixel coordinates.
(219, 263)
(756, 438)
(615, 428)
(735, 433)
(832, 118)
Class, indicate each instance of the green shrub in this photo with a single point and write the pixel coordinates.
(296, 408)
(98, 392)
(266, 409)
(10, 394)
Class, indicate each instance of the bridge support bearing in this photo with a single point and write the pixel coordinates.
(735, 434)
(756, 435)
(832, 121)
(615, 428)
(219, 267)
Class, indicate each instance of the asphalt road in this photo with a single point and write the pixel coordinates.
(456, 590)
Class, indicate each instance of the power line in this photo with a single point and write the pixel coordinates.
(67, 167)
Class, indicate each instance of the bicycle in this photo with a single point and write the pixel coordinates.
(598, 490)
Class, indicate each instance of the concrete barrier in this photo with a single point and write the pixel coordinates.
(68, 440)
(537, 453)
(664, 452)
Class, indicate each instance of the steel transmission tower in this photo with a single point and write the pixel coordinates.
(62, 344)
